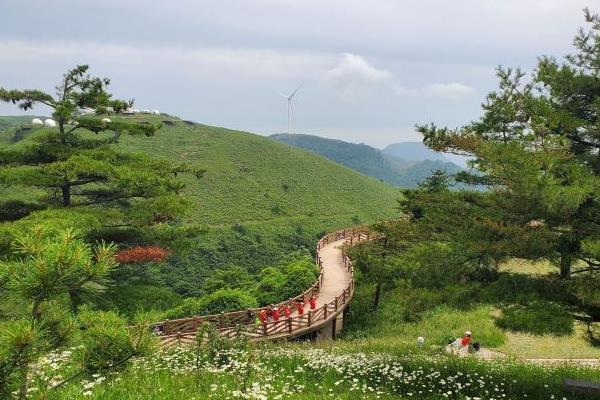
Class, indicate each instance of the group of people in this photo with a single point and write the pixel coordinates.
(274, 313)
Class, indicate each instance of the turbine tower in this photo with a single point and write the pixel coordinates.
(290, 109)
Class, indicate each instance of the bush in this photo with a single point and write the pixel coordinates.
(299, 276)
(223, 300)
(128, 299)
(538, 318)
(226, 300)
(139, 254)
(108, 342)
(270, 286)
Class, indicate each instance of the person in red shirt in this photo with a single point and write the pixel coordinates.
(466, 339)
(300, 307)
(313, 303)
(262, 315)
(275, 313)
(287, 311)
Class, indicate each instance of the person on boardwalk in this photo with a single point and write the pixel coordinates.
(275, 313)
(313, 302)
(300, 307)
(262, 316)
(287, 311)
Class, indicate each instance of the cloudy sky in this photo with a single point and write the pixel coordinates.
(368, 70)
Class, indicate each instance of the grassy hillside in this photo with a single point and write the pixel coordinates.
(260, 201)
(251, 179)
(402, 172)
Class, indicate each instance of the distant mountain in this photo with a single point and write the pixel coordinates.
(371, 161)
(413, 151)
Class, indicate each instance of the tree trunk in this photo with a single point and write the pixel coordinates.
(565, 266)
(377, 296)
(66, 195)
(24, 371)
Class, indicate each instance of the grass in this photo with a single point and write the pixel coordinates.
(298, 371)
(549, 346)
(387, 329)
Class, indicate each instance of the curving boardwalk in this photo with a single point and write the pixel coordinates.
(333, 289)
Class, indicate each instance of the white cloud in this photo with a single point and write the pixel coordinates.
(221, 63)
(444, 91)
(353, 77)
(452, 90)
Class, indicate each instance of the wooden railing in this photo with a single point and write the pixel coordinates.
(242, 322)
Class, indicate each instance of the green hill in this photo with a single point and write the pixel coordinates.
(402, 172)
(260, 201)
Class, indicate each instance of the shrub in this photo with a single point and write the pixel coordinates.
(299, 276)
(223, 300)
(108, 342)
(270, 286)
(226, 300)
(141, 254)
(128, 299)
(539, 318)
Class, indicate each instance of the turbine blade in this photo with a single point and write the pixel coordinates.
(294, 92)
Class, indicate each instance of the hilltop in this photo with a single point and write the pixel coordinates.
(410, 166)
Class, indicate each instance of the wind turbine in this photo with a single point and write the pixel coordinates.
(290, 108)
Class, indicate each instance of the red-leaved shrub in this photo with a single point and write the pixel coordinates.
(140, 254)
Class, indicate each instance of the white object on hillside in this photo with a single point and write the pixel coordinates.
(156, 112)
(146, 111)
(50, 123)
(37, 122)
(128, 111)
(86, 111)
(106, 120)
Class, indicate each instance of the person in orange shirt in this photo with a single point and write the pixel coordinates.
(313, 303)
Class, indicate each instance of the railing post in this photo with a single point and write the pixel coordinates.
(336, 303)
(310, 318)
(289, 325)
(325, 311)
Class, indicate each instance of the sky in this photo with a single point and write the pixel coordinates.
(368, 71)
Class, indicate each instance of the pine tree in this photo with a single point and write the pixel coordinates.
(537, 150)
(76, 163)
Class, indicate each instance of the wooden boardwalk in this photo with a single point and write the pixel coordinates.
(333, 289)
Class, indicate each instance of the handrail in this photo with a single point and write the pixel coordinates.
(242, 322)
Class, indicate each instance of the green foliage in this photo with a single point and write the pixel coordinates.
(226, 300)
(539, 318)
(108, 342)
(536, 149)
(129, 299)
(222, 300)
(78, 165)
(20, 344)
(47, 265)
(299, 275)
